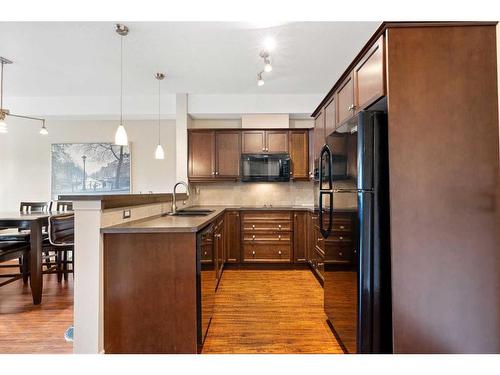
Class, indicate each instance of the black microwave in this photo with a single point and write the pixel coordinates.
(265, 167)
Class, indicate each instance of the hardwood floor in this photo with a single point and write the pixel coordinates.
(269, 311)
(26, 328)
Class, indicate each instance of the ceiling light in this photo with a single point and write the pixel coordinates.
(269, 43)
(121, 138)
(267, 67)
(260, 81)
(43, 130)
(4, 112)
(159, 153)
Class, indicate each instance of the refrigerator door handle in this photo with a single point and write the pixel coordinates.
(325, 150)
(325, 232)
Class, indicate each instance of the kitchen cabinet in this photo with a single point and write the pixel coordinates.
(219, 248)
(300, 236)
(267, 236)
(330, 117)
(265, 141)
(369, 76)
(214, 155)
(227, 154)
(345, 100)
(319, 132)
(232, 236)
(201, 154)
(299, 154)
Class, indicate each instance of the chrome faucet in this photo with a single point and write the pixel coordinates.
(174, 199)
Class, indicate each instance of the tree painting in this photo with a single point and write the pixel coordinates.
(90, 168)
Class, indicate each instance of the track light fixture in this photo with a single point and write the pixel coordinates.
(260, 80)
(5, 112)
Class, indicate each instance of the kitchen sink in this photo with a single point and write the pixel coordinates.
(190, 212)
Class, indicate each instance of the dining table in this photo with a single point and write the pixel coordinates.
(34, 221)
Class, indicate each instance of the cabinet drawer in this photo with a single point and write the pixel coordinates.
(266, 253)
(344, 226)
(206, 253)
(267, 237)
(343, 253)
(266, 216)
(273, 226)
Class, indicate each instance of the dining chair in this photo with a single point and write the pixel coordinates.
(61, 234)
(62, 206)
(13, 251)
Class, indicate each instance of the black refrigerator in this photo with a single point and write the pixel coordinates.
(352, 177)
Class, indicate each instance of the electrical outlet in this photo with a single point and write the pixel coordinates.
(127, 214)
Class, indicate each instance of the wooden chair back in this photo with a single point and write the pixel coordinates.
(28, 207)
(62, 206)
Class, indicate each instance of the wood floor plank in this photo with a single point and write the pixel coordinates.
(26, 328)
(269, 311)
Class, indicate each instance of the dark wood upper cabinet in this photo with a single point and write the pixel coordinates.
(232, 236)
(369, 76)
(227, 154)
(345, 100)
(299, 153)
(253, 141)
(201, 145)
(277, 141)
(319, 132)
(330, 118)
(300, 237)
(264, 141)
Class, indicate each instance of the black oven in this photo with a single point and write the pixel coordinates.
(265, 167)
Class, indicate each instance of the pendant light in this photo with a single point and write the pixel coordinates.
(5, 112)
(121, 138)
(159, 153)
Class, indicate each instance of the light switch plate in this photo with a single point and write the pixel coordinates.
(126, 214)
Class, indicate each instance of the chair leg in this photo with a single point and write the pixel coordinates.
(25, 267)
(59, 266)
(21, 264)
(65, 265)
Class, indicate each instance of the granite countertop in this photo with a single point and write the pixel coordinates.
(190, 224)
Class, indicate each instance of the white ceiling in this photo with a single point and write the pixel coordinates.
(82, 59)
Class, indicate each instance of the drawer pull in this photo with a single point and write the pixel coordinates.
(340, 253)
(279, 226)
(341, 238)
(279, 252)
(320, 264)
(253, 237)
(253, 252)
(205, 253)
(320, 239)
(253, 226)
(342, 227)
(279, 237)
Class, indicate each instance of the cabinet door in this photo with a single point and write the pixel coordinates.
(299, 153)
(369, 77)
(299, 236)
(201, 154)
(232, 235)
(227, 154)
(277, 141)
(253, 142)
(219, 247)
(345, 100)
(319, 133)
(330, 118)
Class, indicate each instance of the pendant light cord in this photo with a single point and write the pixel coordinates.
(121, 80)
(159, 111)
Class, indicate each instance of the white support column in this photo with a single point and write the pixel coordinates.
(181, 124)
(88, 279)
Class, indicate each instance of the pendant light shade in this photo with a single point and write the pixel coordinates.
(159, 153)
(121, 138)
(3, 126)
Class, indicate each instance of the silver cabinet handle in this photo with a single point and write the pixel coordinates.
(205, 253)
(213, 173)
(279, 226)
(264, 149)
(291, 173)
(320, 239)
(216, 173)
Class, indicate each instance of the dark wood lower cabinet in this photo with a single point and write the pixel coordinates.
(232, 236)
(300, 237)
(150, 293)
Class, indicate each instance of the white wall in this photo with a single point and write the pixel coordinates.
(25, 155)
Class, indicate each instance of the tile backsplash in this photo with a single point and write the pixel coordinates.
(254, 193)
